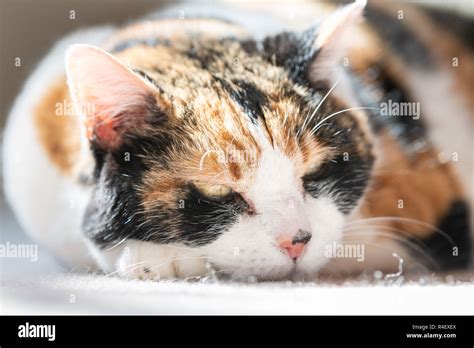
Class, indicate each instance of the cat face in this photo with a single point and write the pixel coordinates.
(230, 147)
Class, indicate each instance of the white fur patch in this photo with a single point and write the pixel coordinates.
(48, 205)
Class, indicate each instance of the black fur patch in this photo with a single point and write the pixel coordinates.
(204, 56)
(204, 220)
(345, 177)
(292, 51)
(112, 212)
(116, 212)
(407, 128)
(401, 40)
(456, 225)
(409, 131)
(342, 180)
(247, 96)
(461, 27)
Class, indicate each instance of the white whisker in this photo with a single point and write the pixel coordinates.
(308, 120)
(405, 220)
(319, 124)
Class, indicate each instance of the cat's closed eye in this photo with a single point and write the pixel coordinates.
(213, 191)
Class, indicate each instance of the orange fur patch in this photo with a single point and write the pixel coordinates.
(58, 127)
(421, 189)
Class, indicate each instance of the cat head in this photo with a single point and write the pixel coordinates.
(235, 148)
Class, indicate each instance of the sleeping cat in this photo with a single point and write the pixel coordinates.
(281, 143)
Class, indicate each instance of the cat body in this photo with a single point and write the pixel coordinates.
(253, 142)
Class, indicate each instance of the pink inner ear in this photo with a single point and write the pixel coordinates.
(104, 131)
(106, 94)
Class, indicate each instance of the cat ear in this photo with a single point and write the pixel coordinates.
(314, 54)
(111, 99)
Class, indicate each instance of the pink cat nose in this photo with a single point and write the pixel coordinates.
(294, 250)
(296, 245)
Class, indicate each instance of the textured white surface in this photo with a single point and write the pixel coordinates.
(42, 287)
(76, 294)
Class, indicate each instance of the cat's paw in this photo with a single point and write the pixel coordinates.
(150, 261)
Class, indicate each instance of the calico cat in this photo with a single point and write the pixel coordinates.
(276, 143)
